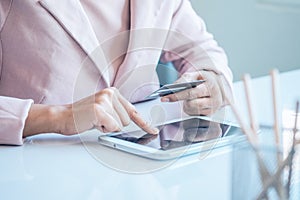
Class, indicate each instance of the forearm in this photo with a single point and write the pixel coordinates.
(45, 119)
(191, 47)
(106, 110)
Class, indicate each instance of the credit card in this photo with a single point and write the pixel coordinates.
(173, 88)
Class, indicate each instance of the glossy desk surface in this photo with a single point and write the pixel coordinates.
(56, 167)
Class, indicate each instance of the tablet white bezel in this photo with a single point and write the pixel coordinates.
(156, 154)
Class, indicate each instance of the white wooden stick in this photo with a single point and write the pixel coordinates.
(248, 91)
(240, 121)
(274, 77)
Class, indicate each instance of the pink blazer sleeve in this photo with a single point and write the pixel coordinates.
(13, 113)
(190, 47)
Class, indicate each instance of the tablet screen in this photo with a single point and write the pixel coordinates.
(178, 134)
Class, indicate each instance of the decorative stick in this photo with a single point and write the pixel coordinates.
(274, 77)
(253, 122)
(244, 128)
(295, 130)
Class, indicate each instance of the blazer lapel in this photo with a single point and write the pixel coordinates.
(143, 29)
(73, 19)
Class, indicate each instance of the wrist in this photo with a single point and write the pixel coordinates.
(45, 119)
(58, 116)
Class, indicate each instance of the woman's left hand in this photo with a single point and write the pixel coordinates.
(204, 99)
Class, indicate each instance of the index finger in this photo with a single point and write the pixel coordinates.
(136, 118)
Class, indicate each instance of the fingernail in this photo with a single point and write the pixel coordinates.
(155, 131)
(164, 99)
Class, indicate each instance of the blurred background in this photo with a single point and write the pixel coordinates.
(257, 35)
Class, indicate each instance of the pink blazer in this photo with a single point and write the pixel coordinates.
(50, 53)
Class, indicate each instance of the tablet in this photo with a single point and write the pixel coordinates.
(175, 139)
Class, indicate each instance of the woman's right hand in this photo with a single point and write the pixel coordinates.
(107, 111)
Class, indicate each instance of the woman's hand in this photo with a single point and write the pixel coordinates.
(204, 99)
(107, 111)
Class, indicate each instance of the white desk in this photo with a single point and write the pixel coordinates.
(56, 167)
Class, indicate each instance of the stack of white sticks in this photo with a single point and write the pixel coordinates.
(268, 179)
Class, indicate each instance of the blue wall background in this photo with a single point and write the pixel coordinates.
(257, 35)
